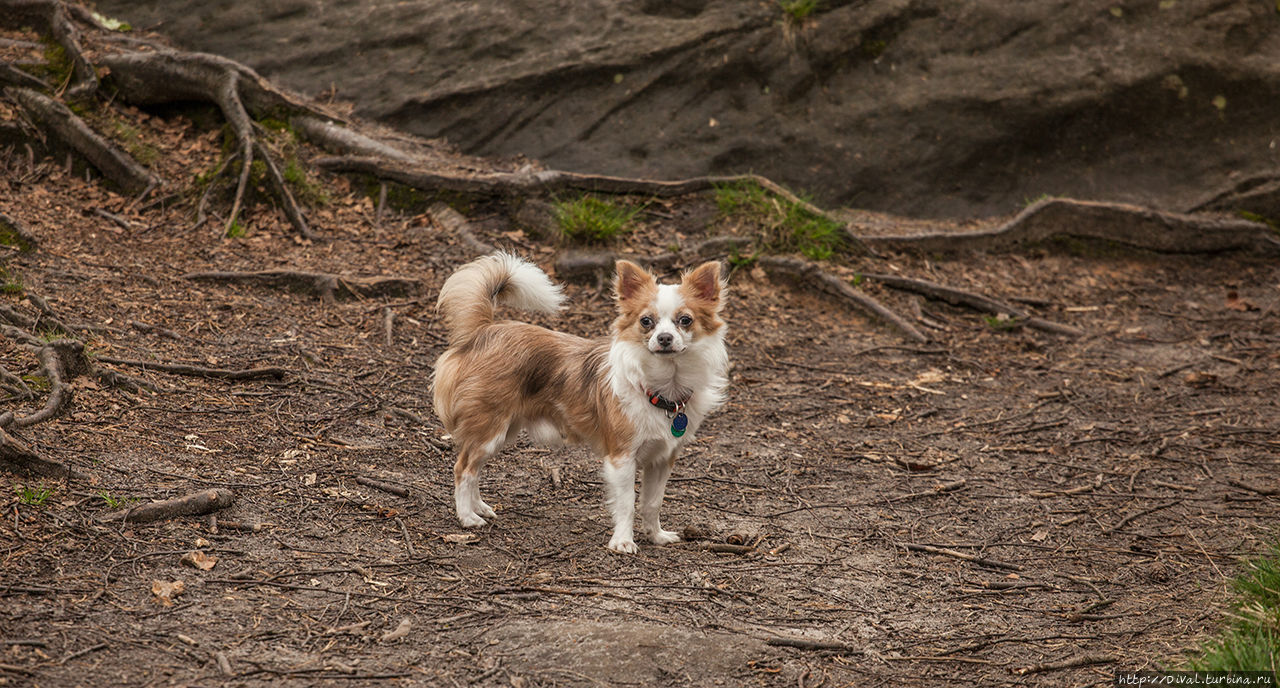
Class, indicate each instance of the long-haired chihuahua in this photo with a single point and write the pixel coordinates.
(635, 397)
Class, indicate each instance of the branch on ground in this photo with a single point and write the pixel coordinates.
(325, 285)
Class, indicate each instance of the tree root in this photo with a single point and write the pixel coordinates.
(17, 457)
(53, 17)
(1255, 197)
(203, 502)
(452, 221)
(165, 76)
(544, 182)
(200, 371)
(976, 301)
(62, 125)
(323, 284)
(1126, 224)
(13, 233)
(808, 273)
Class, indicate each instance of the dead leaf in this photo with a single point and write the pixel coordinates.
(460, 538)
(1235, 303)
(199, 560)
(165, 591)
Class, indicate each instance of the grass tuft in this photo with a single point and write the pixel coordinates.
(1252, 640)
(34, 496)
(788, 226)
(589, 218)
(799, 10)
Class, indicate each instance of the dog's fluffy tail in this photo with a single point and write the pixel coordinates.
(468, 297)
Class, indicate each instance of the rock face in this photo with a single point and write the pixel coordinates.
(919, 107)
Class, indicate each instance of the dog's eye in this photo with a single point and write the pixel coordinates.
(646, 322)
(685, 321)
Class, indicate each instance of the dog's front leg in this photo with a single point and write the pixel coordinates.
(620, 496)
(653, 486)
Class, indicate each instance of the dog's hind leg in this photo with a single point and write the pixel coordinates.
(472, 511)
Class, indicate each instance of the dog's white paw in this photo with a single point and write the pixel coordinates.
(664, 537)
(485, 510)
(623, 545)
(471, 521)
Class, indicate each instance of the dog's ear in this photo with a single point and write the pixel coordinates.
(703, 282)
(631, 280)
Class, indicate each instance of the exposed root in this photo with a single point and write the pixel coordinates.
(452, 221)
(70, 132)
(164, 76)
(976, 301)
(325, 285)
(200, 371)
(809, 274)
(1126, 224)
(17, 457)
(543, 182)
(52, 17)
(1258, 197)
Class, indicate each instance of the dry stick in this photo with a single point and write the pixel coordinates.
(1083, 660)
(325, 285)
(388, 323)
(200, 371)
(196, 504)
(807, 272)
(1138, 514)
(1268, 491)
(975, 301)
(385, 487)
(982, 561)
(814, 645)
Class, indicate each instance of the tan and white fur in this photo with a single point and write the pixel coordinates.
(499, 377)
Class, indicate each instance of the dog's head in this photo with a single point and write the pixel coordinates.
(667, 319)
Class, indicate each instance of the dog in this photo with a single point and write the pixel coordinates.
(634, 397)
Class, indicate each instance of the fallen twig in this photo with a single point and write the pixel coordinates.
(325, 285)
(199, 371)
(385, 487)
(1083, 660)
(813, 645)
(982, 561)
(1138, 514)
(195, 504)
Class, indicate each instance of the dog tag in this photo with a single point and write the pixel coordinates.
(678, 424)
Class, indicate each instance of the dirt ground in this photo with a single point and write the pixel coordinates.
(1101, 488)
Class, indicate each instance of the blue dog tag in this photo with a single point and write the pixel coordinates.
(678, 424)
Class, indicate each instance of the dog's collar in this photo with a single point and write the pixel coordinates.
(666, 404)
(674, 409)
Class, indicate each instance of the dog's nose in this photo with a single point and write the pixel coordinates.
(665, 339)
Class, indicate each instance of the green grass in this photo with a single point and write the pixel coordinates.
(34, 496)
(115, 502)
(237, 230)
(9, 283)
(589, 218)
(788, 226)
(9, 236)
(1251, 640)
(799, 10)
